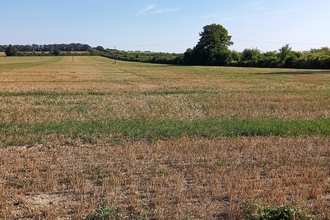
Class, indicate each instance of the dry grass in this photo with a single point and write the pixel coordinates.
(185, 178)
(16, 60)
(94, 88)
(99, 74)
(84, 106)
(174, 179)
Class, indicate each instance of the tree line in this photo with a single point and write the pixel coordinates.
(47, 47)
(49, 50)
(143, 56)
(212, 49)
(285, 57)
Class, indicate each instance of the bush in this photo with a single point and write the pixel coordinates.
(57, 52)
(282, 212)
(11, 51)
(104, 213)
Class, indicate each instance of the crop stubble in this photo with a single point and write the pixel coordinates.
(189, 177)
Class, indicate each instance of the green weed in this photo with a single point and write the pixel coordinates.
(16, 182)
(105, 212)
(154, 129)
(282, 212)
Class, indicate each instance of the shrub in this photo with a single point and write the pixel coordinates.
(11, 51)
(57, 52)
(104, 213)
(281, 212)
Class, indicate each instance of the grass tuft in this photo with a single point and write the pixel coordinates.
(283, 212)
(104, 213)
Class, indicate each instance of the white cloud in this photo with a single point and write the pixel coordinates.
(146, 9)
(164, 10)
(152, 9)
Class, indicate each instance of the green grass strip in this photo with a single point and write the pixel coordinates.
(96, 93)
(137, 129)
(49, 94)
(19, 65)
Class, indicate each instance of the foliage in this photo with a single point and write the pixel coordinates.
(187, 57)
(49, 47)
(104, 213)
(93, 52)
(100, 48)
(16, 182)
(284, 57)
(57, 52)
(284, 52)
(212, 48)
(281, 212)
(90, 52)
(11, 51)
(250, 57)
(146, 56)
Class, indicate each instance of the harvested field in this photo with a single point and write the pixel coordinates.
(192, 178)
(160, 141)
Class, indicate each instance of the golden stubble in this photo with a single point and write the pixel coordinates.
(86, 107)
(172, 179)
(192, 178)
(130, 90)
(100, 74)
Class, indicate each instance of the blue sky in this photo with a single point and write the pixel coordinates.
(166, 26)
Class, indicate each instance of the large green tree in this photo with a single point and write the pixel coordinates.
(212, 48)
(11, 51)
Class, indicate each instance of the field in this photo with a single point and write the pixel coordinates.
(159, 141)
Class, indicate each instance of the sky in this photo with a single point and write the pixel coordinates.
(166, 25)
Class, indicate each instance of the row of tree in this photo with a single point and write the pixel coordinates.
(211, 49)
(143, 56)
(284, 57)
(80, 49)
(48, 47)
